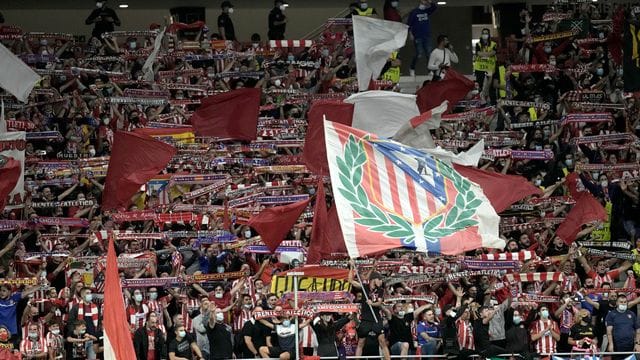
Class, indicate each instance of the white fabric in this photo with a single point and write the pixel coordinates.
(465, 158)
(374, 41)
(147, 68)
(439, 57)
(382, 112)
(15, 76)
(420, 136)
(8, 141)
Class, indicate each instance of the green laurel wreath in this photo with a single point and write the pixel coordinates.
(391, 225)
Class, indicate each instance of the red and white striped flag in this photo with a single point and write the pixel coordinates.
(519, 256)
(117, 342)
(290, 43)
(530, 277)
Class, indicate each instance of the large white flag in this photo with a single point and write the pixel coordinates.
(147, 68)
(382, 112)
(15, 76)
(374, 41)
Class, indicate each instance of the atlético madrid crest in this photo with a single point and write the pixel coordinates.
(397, 196)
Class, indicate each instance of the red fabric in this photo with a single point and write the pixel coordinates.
(9, 176)
(233, 114)
(182, 26)
(326, 237)
(274, 223)
(586, 210)
(314, 153)
(494, 184)
(454, 87)
(322, 272)
(114, 313)
(135, 159)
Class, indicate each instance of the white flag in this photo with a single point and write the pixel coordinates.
(382, 112)
(147, 68)
(465, 158)
(417, 131)
(374, 41)
(15, 76)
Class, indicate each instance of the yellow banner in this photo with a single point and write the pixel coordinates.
(283, 284)
(604, 233)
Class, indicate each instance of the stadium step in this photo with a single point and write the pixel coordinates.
(409, 84)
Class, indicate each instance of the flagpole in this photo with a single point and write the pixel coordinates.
(364, 292)
(295, 304)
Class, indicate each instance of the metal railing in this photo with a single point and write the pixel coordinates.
(567, 355)
(317, 31)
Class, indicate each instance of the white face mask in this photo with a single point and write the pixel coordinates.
(133, 45)
(92, 152)
(364, 6)
(282, 7)
(219, 295)
(153, 295)
(401, 313)
(485, 36)
(105, 121)
(286, 323)
(182, 333)
(55, 331)
(604, 183)
(277, 82)
(230, 11)
(137, 297)
(394, 4)
(219, 317)
(33, 335)
(255, 45)
(99, 4)
(422, 7)
(622, 307)
(220, 269)
(247, 234)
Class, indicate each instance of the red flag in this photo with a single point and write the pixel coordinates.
(454, 87)
(117, 340)
(274, 223)
(326, 236)
(233, 114)
(314, 153)
(586, 210)
(9, 176)
(135, 159)
(495, 185)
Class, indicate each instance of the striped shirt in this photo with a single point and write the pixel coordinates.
(31, 348)
(465, 334)
(546, 344)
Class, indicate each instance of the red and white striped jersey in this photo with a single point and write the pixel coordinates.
(598, 279)
(308, 338)
(465, 334)
(137, 317)
(546, 344)
(55, 342)
(29, 347)
(190, 306)
(240, 317)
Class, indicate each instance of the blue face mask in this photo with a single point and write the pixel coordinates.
(291, 58)
(599, 71)
(517, 320)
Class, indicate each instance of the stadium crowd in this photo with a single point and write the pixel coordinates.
(551, 107)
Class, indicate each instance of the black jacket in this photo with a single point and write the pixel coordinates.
(141, 344)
